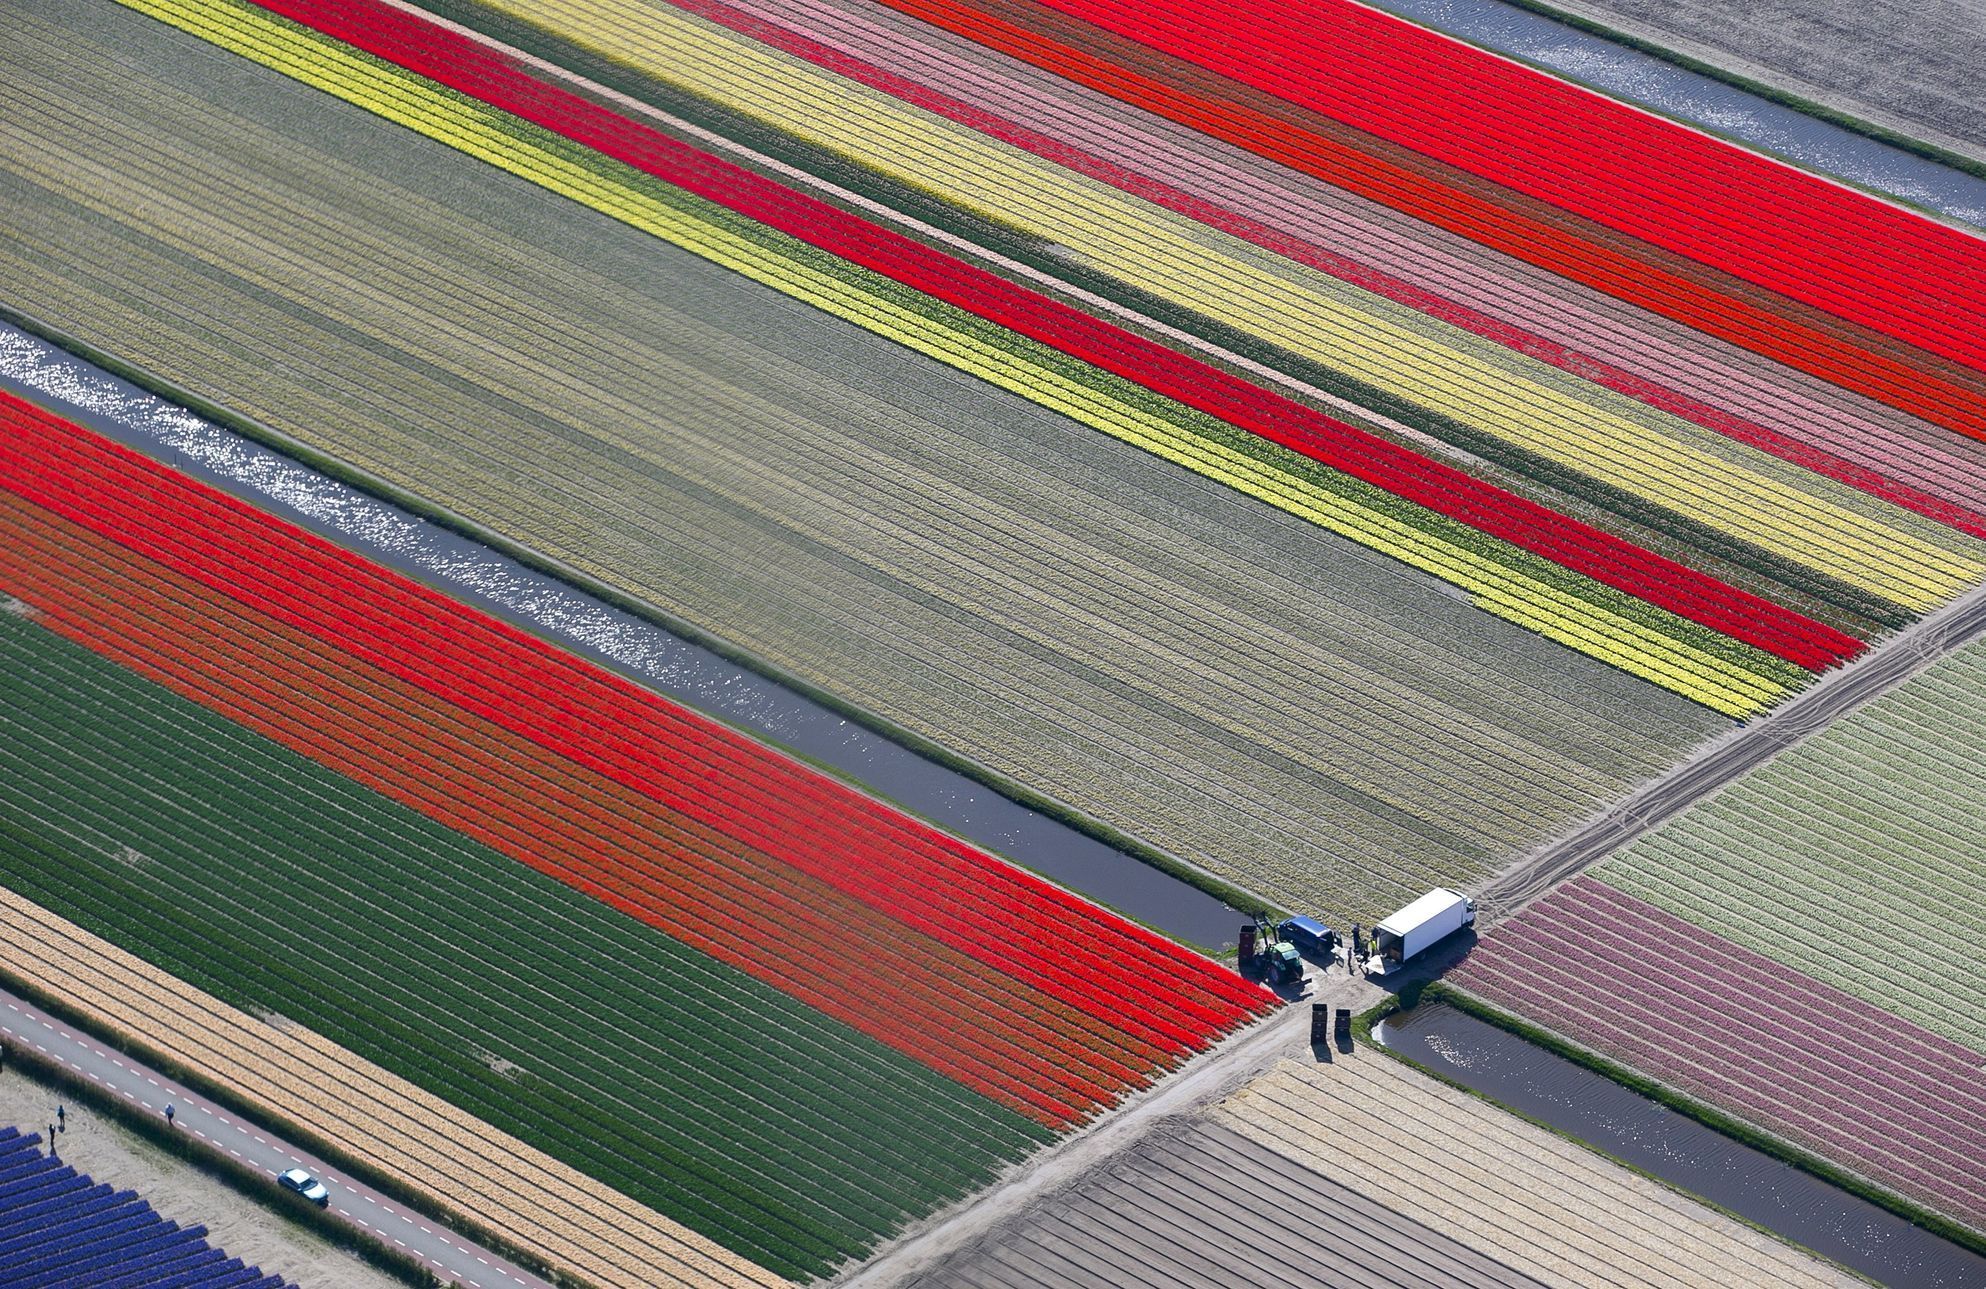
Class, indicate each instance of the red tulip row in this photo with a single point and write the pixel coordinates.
(861, 968)
(1202, 103)
(1345, 268)
(466, 65)
(1765, 222)
(768, 808)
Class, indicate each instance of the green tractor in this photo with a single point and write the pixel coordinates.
(1275, 957)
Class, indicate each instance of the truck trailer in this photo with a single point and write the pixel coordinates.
(1433, 917)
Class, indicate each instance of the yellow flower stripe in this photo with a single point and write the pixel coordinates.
(1821, 524)
(480, 131)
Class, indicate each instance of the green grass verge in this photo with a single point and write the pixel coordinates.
(1662, 1094)
(1229, 893)
(250, 1182)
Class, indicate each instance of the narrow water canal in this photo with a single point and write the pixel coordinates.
(633, 646)
(1681, 1151)
(1713, 104)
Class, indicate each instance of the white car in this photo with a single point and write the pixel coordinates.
(305, 1185)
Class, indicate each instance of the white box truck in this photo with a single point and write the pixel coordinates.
(1432, 917)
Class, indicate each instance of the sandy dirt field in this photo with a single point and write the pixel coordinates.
(110, 1153)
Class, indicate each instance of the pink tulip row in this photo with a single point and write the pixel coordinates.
(1757, 1038)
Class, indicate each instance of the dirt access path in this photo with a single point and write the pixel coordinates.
(1254, 1051)
(1244, 1056)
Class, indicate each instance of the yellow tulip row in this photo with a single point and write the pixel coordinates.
(413, 102)
(1803, 518)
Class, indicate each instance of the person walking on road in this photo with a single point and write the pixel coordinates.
(168, 1116)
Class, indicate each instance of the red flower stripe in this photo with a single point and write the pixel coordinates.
(1344, 268)
(1591, 263)
(708, 773)
(468, 66)
(1765, 222)
(805, 833)
(862, 969)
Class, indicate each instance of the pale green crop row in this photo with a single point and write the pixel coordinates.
(1191, 667)
(1858, 857)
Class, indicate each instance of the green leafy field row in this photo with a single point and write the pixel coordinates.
(1858, 857)
(286, 889)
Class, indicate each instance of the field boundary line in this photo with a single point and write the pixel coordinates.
(1186, 870)
(1729, 757)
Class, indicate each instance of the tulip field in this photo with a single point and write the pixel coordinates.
(1314, 456)
(1864, 562)
(1824, 909)
(1800, 949)
(1794, 1054)
(538, 892)
(1227, 679)
(1544, 1206)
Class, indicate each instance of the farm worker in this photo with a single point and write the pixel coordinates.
(62, 1118)
(168, 1116)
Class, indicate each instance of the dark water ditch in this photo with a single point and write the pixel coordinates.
(1715, 105)
(1769, 1192)
(643, 651)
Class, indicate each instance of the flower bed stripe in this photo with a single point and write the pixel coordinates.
(461, 1164)
(477, 70)
(1642, 985)
(1419, 370)
(917, 74)
(1598, 264)
(721, 784)
(1762, 220)
(867, 971)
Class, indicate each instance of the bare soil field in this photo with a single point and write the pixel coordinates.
(116, 1156)
(1543, 1205)
(1198, 1203)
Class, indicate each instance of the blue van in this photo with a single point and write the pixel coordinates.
(1310, 937)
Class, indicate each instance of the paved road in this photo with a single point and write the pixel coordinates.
(451, 1257)
(1879, 671)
